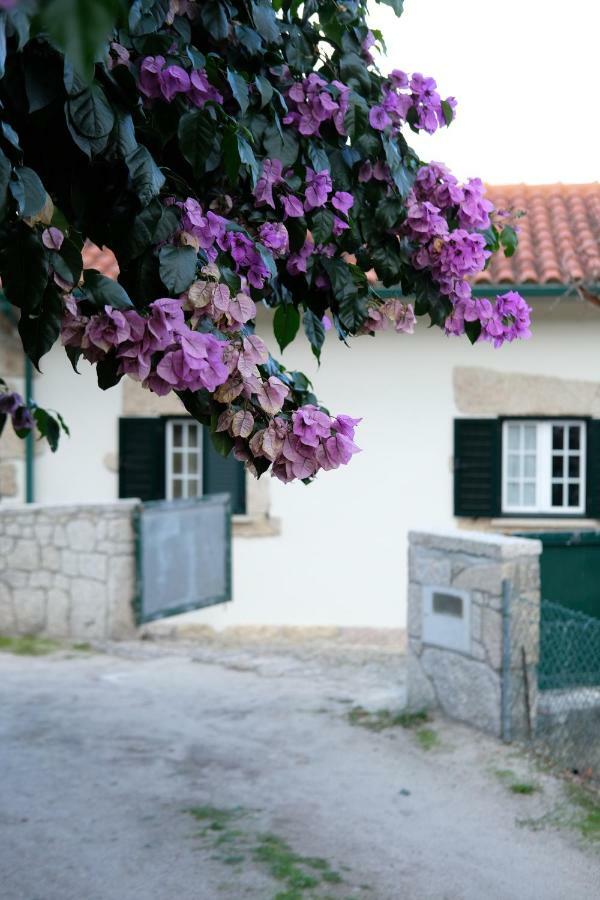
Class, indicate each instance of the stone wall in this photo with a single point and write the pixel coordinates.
(467, 682)
(68, 571)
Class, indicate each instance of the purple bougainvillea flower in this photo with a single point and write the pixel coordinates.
(309, 424)
(378, 118)
(270, 177)
(173, 80)
(149, 77)
(326, 322)
(201, 90)
(9, 403)
(346, 425)
(399, 78)
(342, 201)
(318, 188)
(271, 395)
(107, 330)
(274, 236)
(292, 207)
(52, 238)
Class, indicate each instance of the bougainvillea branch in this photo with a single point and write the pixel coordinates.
(231, 153)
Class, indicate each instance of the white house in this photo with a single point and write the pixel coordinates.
(526, 455)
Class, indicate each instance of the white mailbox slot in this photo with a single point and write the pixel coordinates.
(447, 618)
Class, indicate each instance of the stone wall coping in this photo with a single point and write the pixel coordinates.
(478, 543)
(100, 506)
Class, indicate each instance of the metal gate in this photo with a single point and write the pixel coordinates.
(183, 556)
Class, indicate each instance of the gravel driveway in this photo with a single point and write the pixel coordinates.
(155, 772)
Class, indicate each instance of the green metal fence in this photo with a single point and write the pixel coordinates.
(551, 682)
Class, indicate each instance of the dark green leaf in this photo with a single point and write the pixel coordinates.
(231, 155)
(389, 212)
(322, 225)
(447, 112)
(509, 240)
(472, 330)
(107, 372)
(265, 89)
(318, 158)
(195, 134)
(221, 441)
(39, 333)
(28, 191)
(315, 331)
(354, 72)
(5, 170)
(91, 113)
(340, 276)
(214, 20)
(105, 291)
(146, 176)
(247, 157)
(24, 269)
(67, 262)
(147, 16)
(356, 119)
(177, 268)
(286, 323)
(284, 147)
(265, 21)
(239, 89)
(47, 426)
(2, 42)
(353, 312)
(397, 5)
(80, 28)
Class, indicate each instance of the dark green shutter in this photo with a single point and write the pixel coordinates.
(477, 463)
(593, 469)
(223, 475)
(142, 458)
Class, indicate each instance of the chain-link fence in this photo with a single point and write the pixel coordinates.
(551, 681)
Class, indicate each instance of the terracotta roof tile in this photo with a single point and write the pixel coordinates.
(559, 237)
(103, 260)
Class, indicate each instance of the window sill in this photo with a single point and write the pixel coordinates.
(508, 525)
(255, 526)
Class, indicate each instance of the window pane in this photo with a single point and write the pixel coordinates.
(529, 437)
(557, 466)
(574, 437)
(573, 495)
(177, 463)
(529, 466)
(558, 434)
(192, 463)
(513, 437)
(192, 488)
(529, 493)
(573, 466)
(177, 435)
(177, 488)
(192, 435)
(557, 494)
(512, 494)
(513, 466)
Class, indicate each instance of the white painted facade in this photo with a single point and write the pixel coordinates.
(340, 558)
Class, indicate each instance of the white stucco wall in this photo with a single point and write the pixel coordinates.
(341, 556)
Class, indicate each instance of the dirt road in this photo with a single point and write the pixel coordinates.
(196, 774)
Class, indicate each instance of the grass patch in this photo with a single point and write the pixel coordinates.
(509, 778)
(524, 787)
(27, 645)
(427, 738)
(587, 819)
(384, 718)
(298, 877)
(84, 647)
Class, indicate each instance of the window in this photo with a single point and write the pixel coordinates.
(183, 459)
(543, 467)
(162, 458)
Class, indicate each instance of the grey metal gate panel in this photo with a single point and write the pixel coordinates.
(183, 556)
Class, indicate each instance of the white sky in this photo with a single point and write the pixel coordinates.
(526, 74)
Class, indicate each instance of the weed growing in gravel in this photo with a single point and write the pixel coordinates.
(28, 645)
(509, 778)
(382, 719)
(300, 877)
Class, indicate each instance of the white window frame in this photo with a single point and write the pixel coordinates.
(184, 476)
(543, 475)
